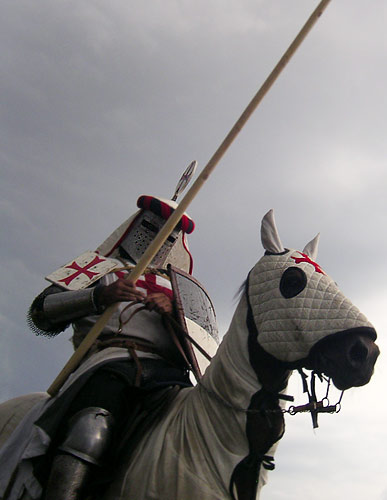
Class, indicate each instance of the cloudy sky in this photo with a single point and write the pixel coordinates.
(104, 101)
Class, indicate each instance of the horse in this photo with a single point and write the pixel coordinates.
(217, 439)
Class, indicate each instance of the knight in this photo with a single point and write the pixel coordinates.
(138, 353)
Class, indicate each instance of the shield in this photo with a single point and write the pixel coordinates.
(197, 316)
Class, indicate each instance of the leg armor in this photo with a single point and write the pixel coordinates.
(88, 437)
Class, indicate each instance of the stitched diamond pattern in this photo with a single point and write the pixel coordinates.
(288, 328)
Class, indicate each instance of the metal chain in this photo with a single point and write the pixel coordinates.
(322, 406)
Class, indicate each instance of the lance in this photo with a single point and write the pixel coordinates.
(175, 217)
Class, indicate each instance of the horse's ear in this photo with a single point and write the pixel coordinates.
(269, 234)
(311, 249)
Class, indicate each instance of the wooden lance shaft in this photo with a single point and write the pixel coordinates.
(173, 220)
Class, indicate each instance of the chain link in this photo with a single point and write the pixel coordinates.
(322, 406)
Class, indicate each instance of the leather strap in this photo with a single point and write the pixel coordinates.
(126, 343)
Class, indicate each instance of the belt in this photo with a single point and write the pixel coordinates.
(126, 343)
(132, 346)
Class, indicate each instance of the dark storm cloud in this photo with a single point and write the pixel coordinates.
(102, 102)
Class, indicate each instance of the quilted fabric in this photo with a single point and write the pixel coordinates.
(289, 327)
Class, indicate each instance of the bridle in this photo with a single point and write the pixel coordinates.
(314, 406)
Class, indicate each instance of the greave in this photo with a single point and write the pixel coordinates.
(67, 479)
(88, 437)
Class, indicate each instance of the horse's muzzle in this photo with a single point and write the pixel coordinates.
(348, 357)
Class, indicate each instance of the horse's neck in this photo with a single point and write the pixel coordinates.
(231, 386)
(242, 376)
(230, 375)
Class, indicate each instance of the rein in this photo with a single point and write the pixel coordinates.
(171, 325)
(314, 406)
(188, 337)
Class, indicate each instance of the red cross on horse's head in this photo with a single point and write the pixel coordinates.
(306, 258)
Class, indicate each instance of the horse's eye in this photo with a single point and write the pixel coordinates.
(293, 281)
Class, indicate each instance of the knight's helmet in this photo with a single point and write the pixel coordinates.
(132, 238)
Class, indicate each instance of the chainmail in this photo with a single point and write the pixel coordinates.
(35, 316)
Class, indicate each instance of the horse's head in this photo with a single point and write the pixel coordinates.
(303, 319)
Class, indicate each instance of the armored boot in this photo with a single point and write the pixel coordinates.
(88, 437)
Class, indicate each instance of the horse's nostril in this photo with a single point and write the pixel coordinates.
(358, 353)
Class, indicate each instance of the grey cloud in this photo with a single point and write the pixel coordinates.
(103, 102)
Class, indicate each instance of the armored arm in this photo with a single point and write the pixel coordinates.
(54, 309)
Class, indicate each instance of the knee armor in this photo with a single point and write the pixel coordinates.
(89, 434)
